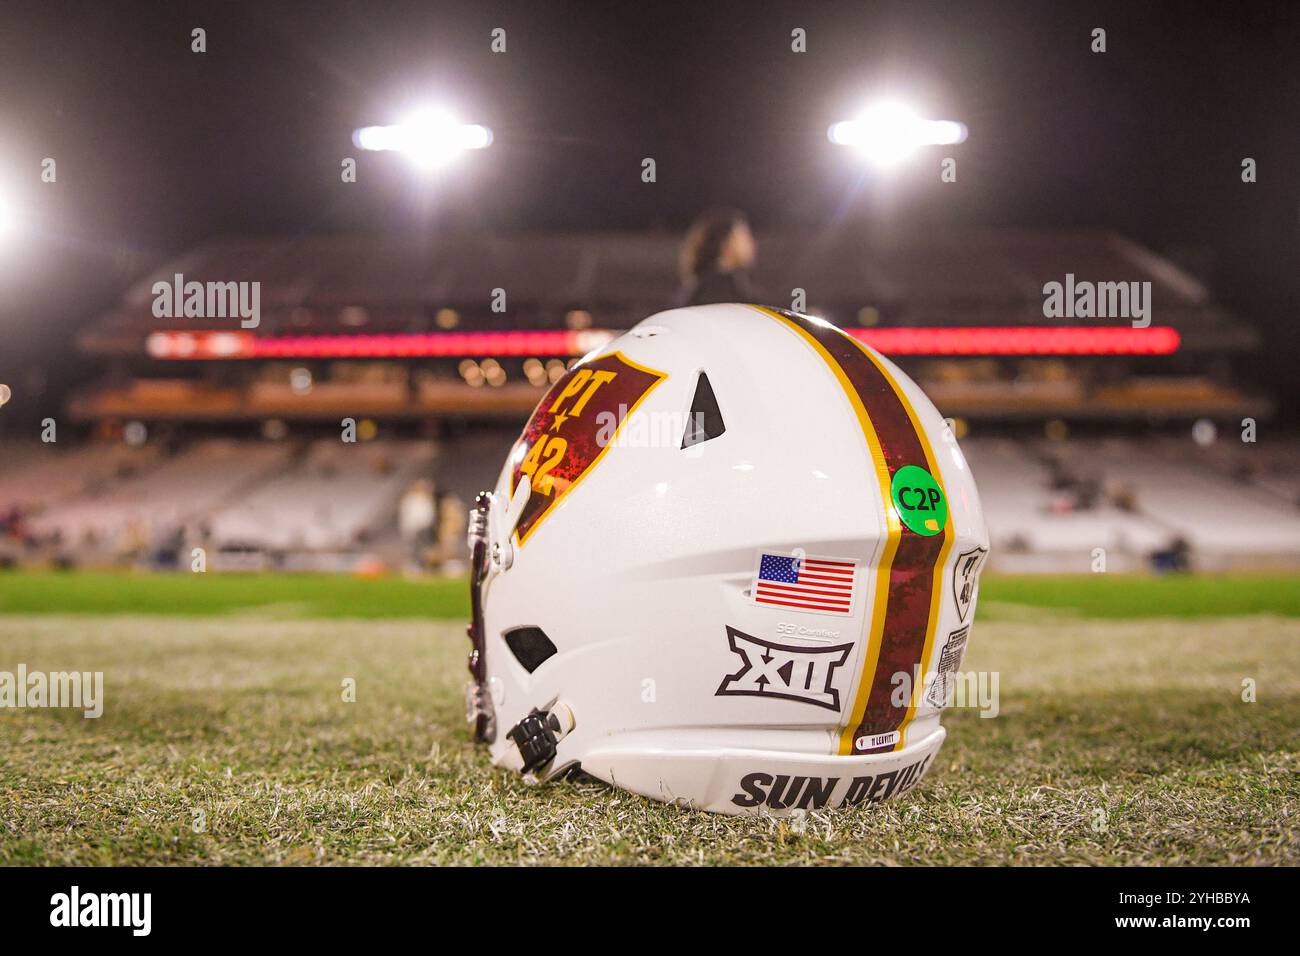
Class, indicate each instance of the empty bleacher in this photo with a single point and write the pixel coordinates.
(159, 500)
(1030, 524)
(1180, 488)
(1049, 505)
(35, 475)
(470, 463)
(334, 498)
(1149, 494)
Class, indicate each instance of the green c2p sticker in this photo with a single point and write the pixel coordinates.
(919, 500)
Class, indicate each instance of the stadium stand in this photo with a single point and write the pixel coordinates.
(341, 284)
(1034, 526)
(336, 498)
(1049, 505)
(1179, 487)
(338, 314)
(1272, 467)
(470, 462)
(34, 476)
(136, 510)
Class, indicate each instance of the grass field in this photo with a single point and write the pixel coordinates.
(285, 596)
(1121, 738)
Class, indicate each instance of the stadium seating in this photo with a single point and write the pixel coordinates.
(161, 499)
(33, 476)
(1049, 504)
(470, 463)
(336, 496)
(1178, 487)
(1025, 516)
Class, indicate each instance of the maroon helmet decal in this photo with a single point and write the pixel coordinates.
(572, 428)
(915, 568)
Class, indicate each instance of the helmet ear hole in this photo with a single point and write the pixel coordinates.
(530, 645)
(705, 419)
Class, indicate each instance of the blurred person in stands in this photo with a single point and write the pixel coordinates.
(135, 540)
(11, 523)
(168, 547)
(1176, 558)
(415, 520)
(452, 520)
(1124, 497)
(715, 259)
(14, 528)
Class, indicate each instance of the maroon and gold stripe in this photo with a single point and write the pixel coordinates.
(909, 573)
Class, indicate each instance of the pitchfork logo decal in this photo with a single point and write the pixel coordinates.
(781, 670)
(965, 577)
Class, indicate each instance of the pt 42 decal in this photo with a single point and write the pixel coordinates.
(569, 431)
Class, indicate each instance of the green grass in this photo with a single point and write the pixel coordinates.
(203, 595)
(1135, 596)
(287, 596)
(1119, 741)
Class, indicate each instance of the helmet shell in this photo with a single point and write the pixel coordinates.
(730, 614)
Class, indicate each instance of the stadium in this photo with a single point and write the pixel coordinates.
(251, 394)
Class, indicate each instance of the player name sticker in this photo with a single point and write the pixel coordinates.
(876, 741)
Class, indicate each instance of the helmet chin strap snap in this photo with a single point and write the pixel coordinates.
(538, 734)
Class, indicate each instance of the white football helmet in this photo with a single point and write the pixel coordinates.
(715, 567)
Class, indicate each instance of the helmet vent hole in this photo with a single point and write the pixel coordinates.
(705, 419)
(530, 645)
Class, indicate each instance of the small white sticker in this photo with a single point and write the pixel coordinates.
(874, 741)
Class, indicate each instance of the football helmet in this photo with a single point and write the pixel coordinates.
(728, 564)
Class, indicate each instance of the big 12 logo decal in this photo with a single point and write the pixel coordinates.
(572, 428)
(780, 670)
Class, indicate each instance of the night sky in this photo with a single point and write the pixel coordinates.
(159, 148)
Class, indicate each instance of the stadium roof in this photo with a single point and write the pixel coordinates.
(357, 283)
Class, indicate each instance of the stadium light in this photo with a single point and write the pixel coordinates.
(430, 138)
(888, 133)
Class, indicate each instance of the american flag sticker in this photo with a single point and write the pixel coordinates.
(821, 585)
